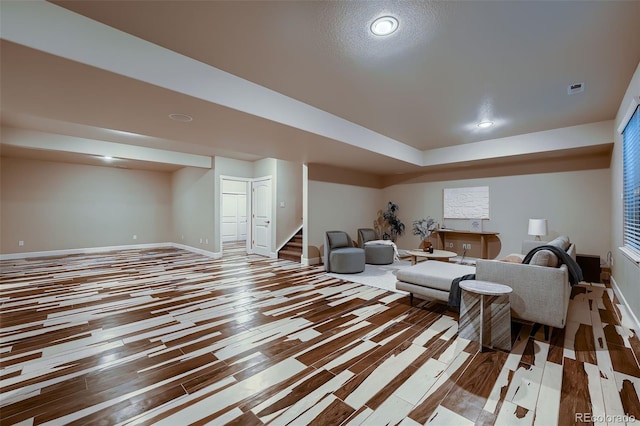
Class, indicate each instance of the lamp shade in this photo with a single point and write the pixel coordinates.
(537, 227)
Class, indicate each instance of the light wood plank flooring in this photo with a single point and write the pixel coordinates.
(171, 337)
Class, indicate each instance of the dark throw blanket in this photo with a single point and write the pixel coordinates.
(575, 272)
(455, 293)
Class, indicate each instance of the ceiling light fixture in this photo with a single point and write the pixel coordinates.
(485, 124)
(184, 118)
(384, 26)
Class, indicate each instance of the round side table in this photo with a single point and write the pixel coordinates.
(485, 314)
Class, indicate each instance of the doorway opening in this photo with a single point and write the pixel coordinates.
(245, 215)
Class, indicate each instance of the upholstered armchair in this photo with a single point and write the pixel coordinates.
(375, 253)
(340, 256)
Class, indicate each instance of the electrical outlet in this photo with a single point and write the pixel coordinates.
(135, 237)
(20, 243)
(206, 241)
(466, 246)
(450, 245)
(200, 240)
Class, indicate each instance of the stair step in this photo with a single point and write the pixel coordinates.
(293, 249)
(290, 255)
(291, 252)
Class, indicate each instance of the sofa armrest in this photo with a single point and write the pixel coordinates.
(540, 294)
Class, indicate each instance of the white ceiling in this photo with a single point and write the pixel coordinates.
(306, 81)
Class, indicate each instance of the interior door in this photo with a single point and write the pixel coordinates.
(230, 225)
(261, 216)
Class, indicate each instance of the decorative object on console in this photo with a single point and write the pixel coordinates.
(423, 228)
(388, 225)
(537, 227)
(475, 225)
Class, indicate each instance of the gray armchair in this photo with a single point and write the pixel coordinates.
(340, 256)
(375, 254)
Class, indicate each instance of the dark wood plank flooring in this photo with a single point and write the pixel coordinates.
(171, 337)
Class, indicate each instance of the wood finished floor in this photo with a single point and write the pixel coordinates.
(171, 337)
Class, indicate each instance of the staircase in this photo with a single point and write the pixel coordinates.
(293, 249)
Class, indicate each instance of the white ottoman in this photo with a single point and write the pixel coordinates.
(431, 279)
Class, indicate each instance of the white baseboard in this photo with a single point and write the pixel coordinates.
(88, 250)
(310, 261)
(65, 252)
(215, 255)
(632, 314)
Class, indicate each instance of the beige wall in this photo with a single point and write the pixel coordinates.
(335, 206)
(572, 202)
(289, 192)
(625, 272)
(193, 208)
(57, 206)
(53, 206)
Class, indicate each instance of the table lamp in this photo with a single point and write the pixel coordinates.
(537, 227)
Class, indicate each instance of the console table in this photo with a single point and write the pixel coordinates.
(480, 238)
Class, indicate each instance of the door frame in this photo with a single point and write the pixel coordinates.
(249, 181)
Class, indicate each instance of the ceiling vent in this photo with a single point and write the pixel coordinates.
(575, 88)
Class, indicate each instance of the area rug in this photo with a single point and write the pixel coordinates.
(380, 276)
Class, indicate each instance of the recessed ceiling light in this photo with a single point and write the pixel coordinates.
(184, 118)
(485, 124)
(384, 26)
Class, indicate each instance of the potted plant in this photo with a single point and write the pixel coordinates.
(424, 228)
(388, 225)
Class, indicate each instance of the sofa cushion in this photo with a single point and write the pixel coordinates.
(513, 258)
(434, 274)
(347, 260)
(366, 234)
(544, 258)
(337, 239)
(560, 242)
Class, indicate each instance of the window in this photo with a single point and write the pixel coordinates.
(631, 184)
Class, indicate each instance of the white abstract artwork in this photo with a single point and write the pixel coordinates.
(466, 203)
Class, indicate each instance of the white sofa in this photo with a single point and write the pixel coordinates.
(541, 290)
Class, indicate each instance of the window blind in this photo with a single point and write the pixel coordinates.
(631, 183)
